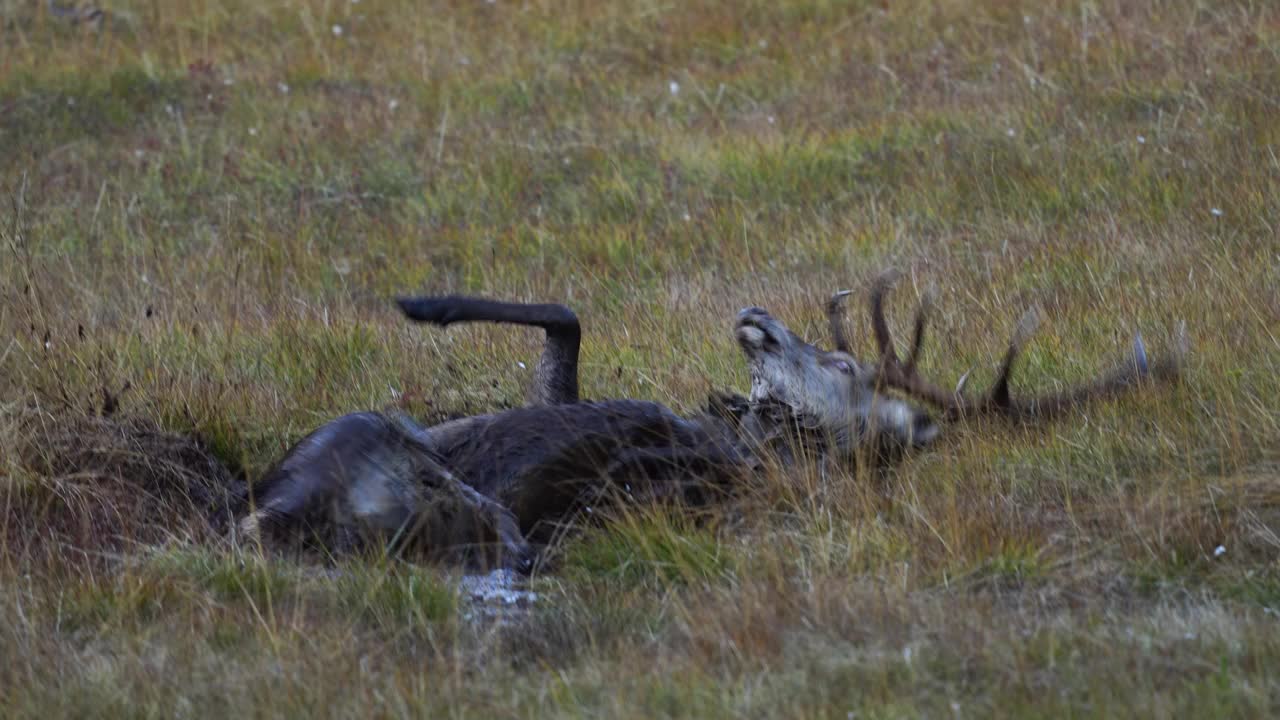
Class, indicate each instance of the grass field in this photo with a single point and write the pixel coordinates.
(207, 207)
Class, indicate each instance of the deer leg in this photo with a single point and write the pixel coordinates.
(555, 380)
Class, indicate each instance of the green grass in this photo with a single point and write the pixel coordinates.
(206, 209)
(648, 549)
(396, 599)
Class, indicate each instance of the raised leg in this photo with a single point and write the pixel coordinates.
(555, 380)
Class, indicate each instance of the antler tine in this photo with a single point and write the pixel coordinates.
(880, 326)
(891, 372)
(835, 318)
(998, 396)
(1182, 345)
(917, 337)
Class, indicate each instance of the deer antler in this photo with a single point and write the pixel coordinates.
(835, 317)
(899, 375)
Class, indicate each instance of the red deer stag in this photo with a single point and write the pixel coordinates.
(490, 489)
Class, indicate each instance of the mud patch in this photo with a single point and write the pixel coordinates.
(94, 484)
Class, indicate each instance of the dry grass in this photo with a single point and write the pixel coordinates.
(207, 207)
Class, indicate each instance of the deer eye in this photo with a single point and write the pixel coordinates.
(844, 367)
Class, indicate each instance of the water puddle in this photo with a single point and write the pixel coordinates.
(500, 596)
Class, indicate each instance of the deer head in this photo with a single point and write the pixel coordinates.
(828, 391)
(831, 391)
